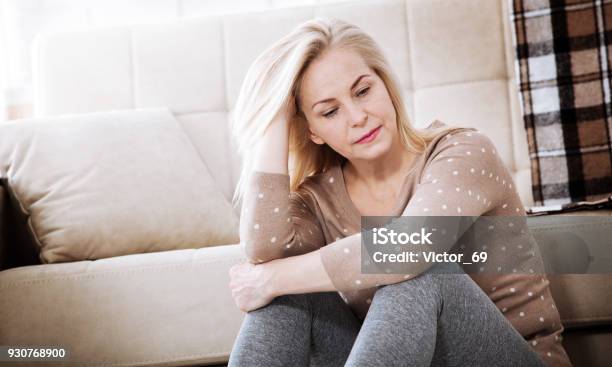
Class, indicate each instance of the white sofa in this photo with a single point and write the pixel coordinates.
(454, 59)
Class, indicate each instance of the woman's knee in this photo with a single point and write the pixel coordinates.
(306, 300)
(419, 285)
(427, 284)
(281, 305)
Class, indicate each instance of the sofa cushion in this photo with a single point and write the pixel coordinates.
(112, 183)
(583, 299)
(576, 250)
(95, 308)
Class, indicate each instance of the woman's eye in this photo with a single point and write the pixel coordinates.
(363, 92)
(330, 113)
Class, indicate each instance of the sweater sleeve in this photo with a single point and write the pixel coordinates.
(462, 177)
(275, 223)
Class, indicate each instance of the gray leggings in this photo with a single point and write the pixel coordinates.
(434, 319)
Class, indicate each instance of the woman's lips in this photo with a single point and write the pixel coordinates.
(369, 137)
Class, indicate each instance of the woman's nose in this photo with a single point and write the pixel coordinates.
(356, 114)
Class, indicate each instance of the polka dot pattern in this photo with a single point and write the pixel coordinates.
(462, 176)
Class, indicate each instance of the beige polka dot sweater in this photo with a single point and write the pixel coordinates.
(458, 174)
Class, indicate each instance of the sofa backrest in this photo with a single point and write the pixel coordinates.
(454, 60)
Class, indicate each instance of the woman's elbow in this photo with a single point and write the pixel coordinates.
(257, 255)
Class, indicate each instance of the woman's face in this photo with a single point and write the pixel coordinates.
(343, 101)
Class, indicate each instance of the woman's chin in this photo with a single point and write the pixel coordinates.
(373, 151)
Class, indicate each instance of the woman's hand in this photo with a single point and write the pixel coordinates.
(251, 285)
(272, 150)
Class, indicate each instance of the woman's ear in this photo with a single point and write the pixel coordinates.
(315, 138)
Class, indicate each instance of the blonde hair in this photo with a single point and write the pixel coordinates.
(273, 81)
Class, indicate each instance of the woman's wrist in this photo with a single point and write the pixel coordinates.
(272, 275)
(296, 275)
(272, 150)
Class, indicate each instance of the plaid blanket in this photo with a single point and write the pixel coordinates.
(563, 62)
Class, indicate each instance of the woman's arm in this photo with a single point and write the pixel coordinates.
(275, 223)
(272, 153)
(255, 286)
(297, 275)
(453, 185)
(464, 178)
(276, 228)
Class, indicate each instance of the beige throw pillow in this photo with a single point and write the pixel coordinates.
(112, 183)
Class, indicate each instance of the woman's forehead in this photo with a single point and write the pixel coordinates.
(333, 71)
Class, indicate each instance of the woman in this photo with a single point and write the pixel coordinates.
(324, 97)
